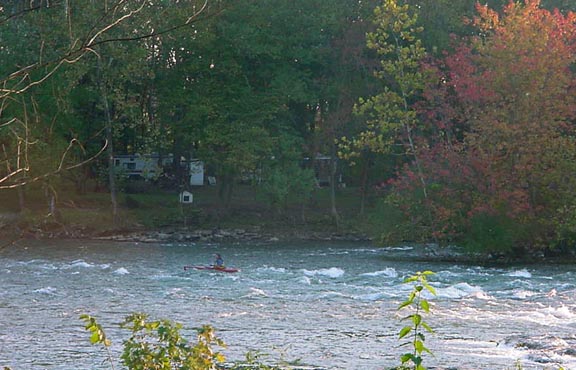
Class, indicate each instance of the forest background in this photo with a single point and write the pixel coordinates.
(439, 121)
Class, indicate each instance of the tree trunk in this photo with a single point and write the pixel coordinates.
(225, 190)
(21, 198)
(333, 168)
(51, 198)
(364, 183)
(110, 147)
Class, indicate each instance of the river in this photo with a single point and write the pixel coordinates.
(331, 305)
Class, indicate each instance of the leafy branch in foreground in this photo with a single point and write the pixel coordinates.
(159, 345)
(98, 335)
(414, 333)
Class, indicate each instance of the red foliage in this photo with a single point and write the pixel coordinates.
(500, 100)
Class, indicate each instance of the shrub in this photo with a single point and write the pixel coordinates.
(158, 345)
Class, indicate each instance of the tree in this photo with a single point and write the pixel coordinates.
(502, 110)
(391, 120)
(258, 76)
(346, 76)
(63, 35)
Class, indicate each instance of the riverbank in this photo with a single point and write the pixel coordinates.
(14, 226)
(156, 216)
(170, 234)
(255, 234)
(261, 235)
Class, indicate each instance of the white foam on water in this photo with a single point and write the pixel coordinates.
(469, 348)
(77, 264)
(121, 271)
(162, 277)
(562, 312)
(332, 294)
(305, 280)
(544, 349)
(403, 248)
(371, 297)
(81, 263)
(524, 273)
(332, 272)
(255, 292)
(460, 290)
(175, 293)
(279, 270)
(541, 314)
(43, 265)
(523, 294)
(47, 290)
(481, 295)
(389, 271)
(233, 314)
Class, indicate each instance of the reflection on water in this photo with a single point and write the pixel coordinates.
(331, 305)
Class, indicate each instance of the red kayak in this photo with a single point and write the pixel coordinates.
(215, 268)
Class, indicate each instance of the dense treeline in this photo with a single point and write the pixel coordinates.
(461, 114)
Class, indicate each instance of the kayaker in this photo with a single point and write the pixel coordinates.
(219, 262)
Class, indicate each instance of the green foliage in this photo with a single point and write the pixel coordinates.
(389, 117)
(233, 86)
(414, 333)
(564, 222)
(391, 120)
(284, 183)
(158, 345)
(283, 178)
(98, 336)
(442, 19)
(491, 233)
(495, 140)
(388, 224)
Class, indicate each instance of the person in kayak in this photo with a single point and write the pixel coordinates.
(219, 262)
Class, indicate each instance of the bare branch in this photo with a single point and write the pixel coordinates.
(25, 11)
(17, 83)
(60, 169)
(76, 52)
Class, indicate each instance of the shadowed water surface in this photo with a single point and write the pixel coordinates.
(330, 305)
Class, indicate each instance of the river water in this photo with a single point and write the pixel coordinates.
(328, 305)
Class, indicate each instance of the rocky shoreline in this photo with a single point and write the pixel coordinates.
(254, 234)
(226, 235)
(259, 235)
(175, 234)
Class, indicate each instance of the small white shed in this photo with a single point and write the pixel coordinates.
(186, 197)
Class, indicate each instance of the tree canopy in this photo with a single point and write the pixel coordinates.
(460, 115)
(500, 138)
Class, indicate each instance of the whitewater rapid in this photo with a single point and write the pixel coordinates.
(333, 306)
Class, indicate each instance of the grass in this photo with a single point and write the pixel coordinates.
(155, 209)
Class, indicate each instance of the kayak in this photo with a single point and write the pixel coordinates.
(215, 268)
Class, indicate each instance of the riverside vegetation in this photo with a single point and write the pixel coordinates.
(144, 210)
(453, 120)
